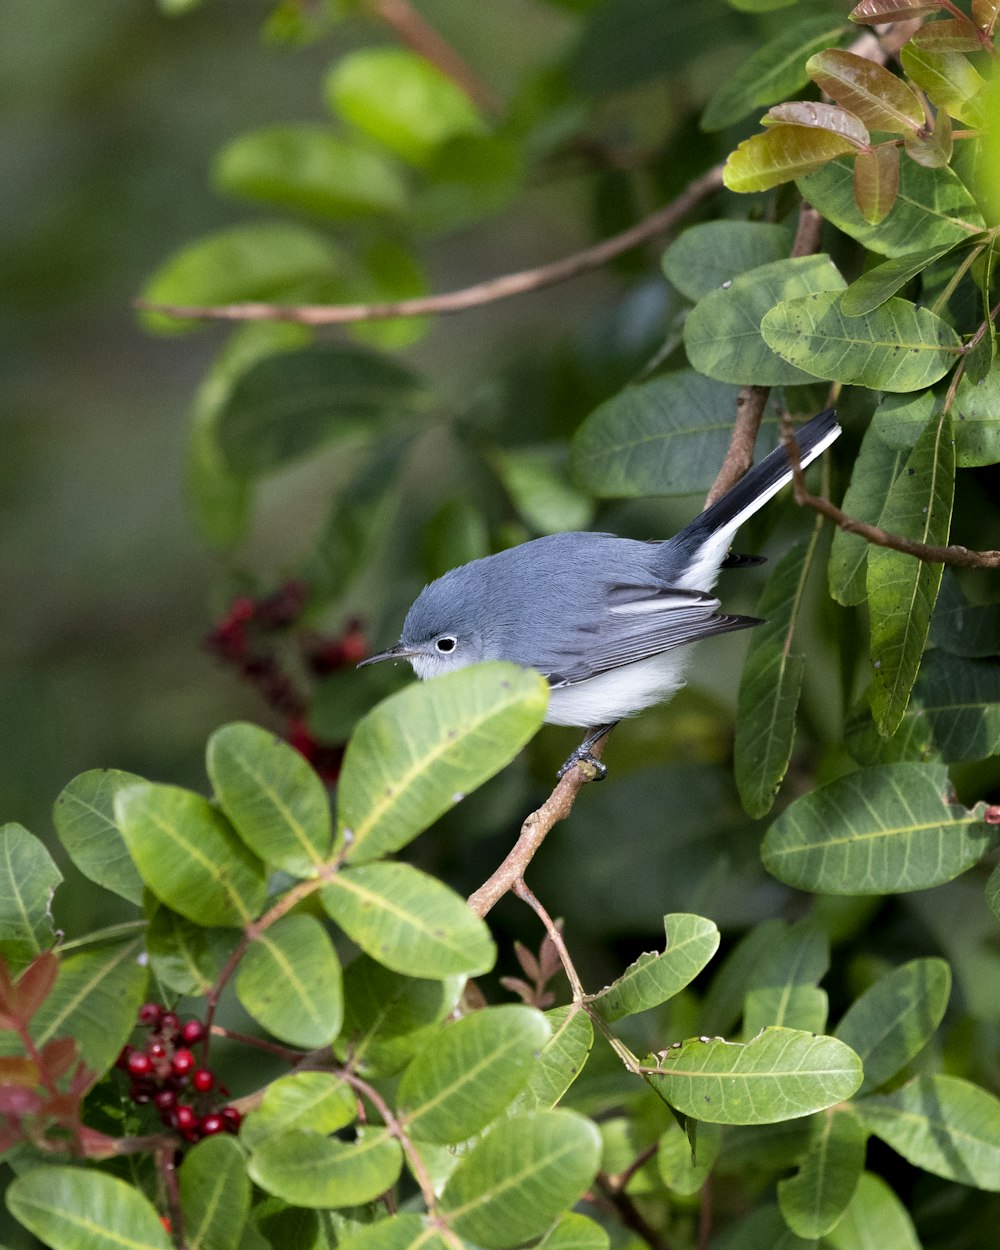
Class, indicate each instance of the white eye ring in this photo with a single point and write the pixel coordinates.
(446, 644)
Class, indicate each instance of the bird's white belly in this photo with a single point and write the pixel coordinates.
(619, 693)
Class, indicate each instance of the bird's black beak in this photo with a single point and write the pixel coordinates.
(398, 652)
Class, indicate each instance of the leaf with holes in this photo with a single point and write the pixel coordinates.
(780, 1075)
(653, 978)
(289, 981)
(418, 753)
(883, 830)
(409, 921)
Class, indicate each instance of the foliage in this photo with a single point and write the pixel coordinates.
(814, 1082)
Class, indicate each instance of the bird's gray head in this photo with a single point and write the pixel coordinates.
(442, 631)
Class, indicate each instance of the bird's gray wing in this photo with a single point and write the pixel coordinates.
(635, 623)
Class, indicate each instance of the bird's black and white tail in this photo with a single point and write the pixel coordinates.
(704, 542)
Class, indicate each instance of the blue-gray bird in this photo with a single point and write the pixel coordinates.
(606, 620)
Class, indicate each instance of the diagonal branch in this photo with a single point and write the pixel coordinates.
(520, 283)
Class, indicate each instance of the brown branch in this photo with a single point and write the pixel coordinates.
(961, 557)
(629, 1213)
(536, 826)
(520, 283)
(413, 30)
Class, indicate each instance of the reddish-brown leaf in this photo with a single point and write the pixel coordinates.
(58, 1055)
(18, 1070)
(876, 181)
(820, 117)
(871, 12)
(880, 99)
(985, 13)
(952, 35)
(34, 984)
(17, 1102)
(8, 1006)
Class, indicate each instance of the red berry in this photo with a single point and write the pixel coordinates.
(150, 1014)
(192, 1031)
(211, 1124)
(166, 1100)
(169, 1024)
(182, 1062)
(184, 1117)
(139, 1063)
(203, 1080)
(156, 1050)
(232, 1118)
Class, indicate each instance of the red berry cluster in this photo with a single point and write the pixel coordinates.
(247, 638)
(165, 1072)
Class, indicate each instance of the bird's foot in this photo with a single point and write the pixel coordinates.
(593, 769)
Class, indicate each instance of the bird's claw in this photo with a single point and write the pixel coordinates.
(592, 767)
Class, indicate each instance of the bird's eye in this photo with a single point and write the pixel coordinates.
(445, 644)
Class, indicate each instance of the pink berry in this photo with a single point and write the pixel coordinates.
(139, 1063)
(184, 1117)
(150, 1014)
(156, 1050)
(183, 1061)
(192, 1031)
(203, 1080)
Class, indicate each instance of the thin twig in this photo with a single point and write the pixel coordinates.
(621, 1179)
(413, 30)
(396, 1129)
(523, 892)
(475, 296)
(630, 1215)
(536, 826)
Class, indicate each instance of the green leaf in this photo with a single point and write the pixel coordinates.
(933, 208)
(214, 1194)
(961, 699)
(95, 1000)
(470, 1072)
(652, 979)
(762, 1229)
(73, 1208)
(28, 879)
(538, 484)
(682, 1170)
(875, 1218)
(263, 261)
(936, 149)
(876, 182)
(781, 1074)
(877, 285)
(409, 921)
(320, 1102)
(943, 1124)
(963, 628)
(773, 72)
(948, 78)
(574, 1232)
(275, 801)
(667, 436)
(901, 589)
(520, 1177)
(880, 99)
(895, 1018)
(401, 101)
(723, 332)
(309, 169)
(289, 981)
(286, 406)
(388, 1017)
(781, 988)
(704, 257)
(385, 271)
(560, 1060)
(399, 1232)
(814, 1199)
(422, 750)
(185, 956)
(993, 891)
(882, 830)
(311, 1170)
(781, 154)
(896, 347)
(770, 685)
(977, 431)
(84, 818)
(219, 498)
(189, 856)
